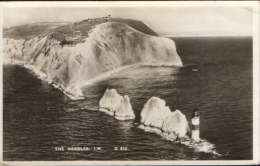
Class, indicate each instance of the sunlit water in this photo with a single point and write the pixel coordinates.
(217, 80)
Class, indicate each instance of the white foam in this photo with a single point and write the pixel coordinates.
(157, 118)
(202, 146)
(44, 77)
(104, 76)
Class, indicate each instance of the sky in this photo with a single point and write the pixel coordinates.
(172, 21)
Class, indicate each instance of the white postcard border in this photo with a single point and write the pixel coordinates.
(256, 81)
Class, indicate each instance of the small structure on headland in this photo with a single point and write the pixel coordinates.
(106, 18)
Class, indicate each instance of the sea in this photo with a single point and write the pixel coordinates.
(40, 123)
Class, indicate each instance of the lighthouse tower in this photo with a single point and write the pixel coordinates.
(195, 122)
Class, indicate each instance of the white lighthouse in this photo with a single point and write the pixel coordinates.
(195, 122)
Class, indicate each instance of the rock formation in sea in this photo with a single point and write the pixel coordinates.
(116, 105)
(72, 55)
(156, 117)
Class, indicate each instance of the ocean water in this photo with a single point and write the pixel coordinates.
(39, 121)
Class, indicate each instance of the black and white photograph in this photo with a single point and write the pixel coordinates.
(128, 83)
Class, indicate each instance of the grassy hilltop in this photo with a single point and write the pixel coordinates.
(62, 30)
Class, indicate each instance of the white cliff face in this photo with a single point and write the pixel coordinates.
(12, 51)
(156, 117)
(176, 122)
(109, 47)
(116, 105)
(154, 112)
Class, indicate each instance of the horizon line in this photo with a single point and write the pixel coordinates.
(231, 35)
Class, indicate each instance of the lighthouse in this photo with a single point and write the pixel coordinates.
(195, 123)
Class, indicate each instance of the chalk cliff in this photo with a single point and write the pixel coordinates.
(156, 117)
(116, 105)
(70, 62)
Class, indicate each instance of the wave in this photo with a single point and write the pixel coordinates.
(106, 75)
(162, 65)
(202, 146)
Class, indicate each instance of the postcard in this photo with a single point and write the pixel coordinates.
(130, 83)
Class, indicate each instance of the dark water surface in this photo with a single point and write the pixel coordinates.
(38, 118)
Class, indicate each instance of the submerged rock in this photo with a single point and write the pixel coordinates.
(157, 118)
(116, 105)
